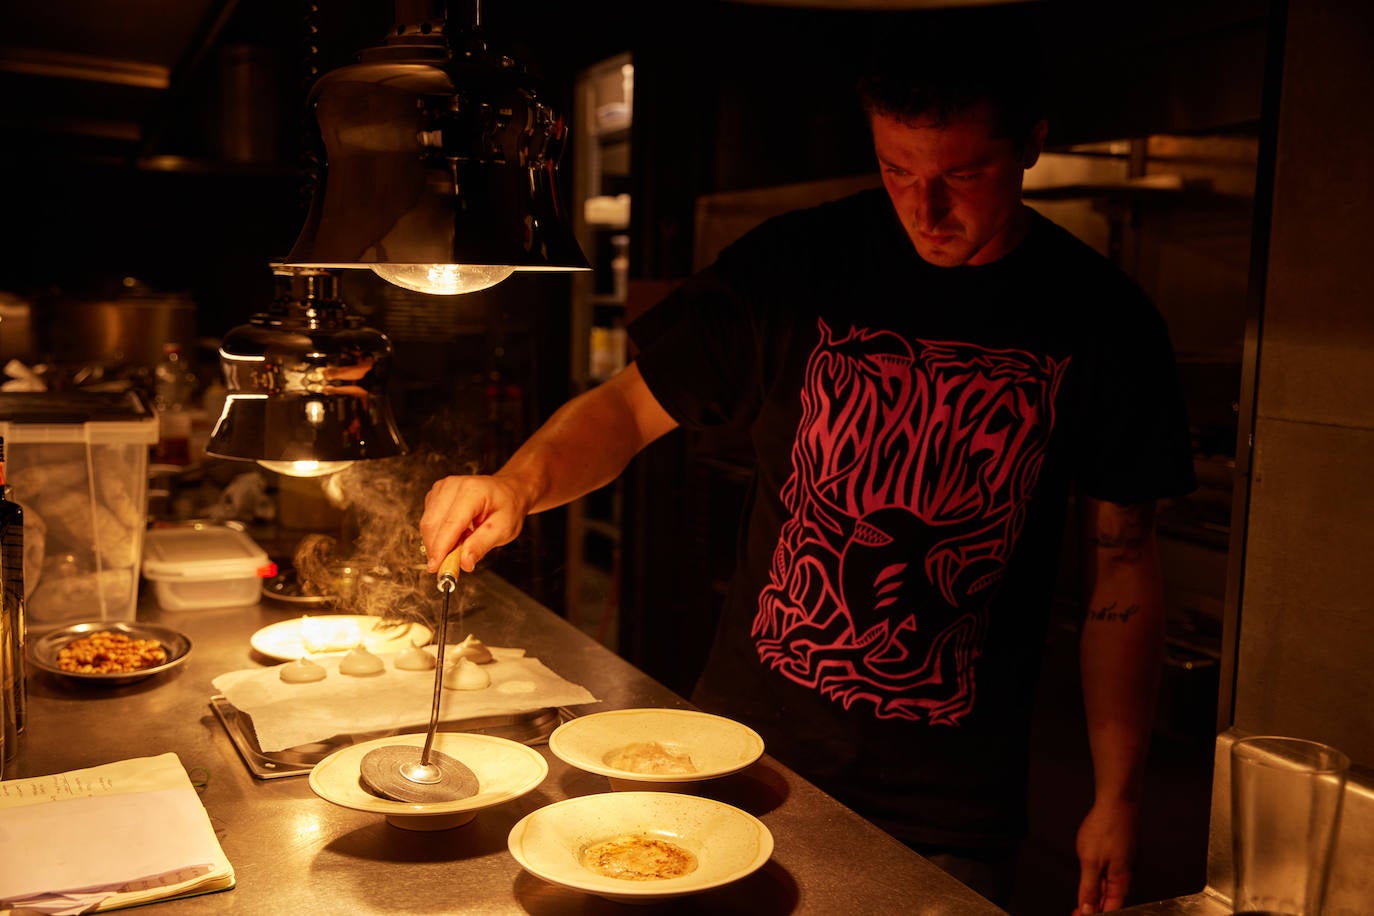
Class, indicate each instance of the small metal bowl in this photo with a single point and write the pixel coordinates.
(285, 587)
(44, 649)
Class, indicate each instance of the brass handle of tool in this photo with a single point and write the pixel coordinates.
(448, 571)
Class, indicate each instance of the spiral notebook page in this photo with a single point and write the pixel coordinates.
(116, 835)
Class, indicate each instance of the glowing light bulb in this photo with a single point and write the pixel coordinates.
(443, 279)
(305, 468)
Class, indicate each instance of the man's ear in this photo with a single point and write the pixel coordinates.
(1035, 143)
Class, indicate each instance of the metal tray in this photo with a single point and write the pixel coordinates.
(527, 728)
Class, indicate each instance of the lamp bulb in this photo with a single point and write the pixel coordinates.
(443, 279)
(305, 468)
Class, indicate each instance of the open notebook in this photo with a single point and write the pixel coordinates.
(118, 835)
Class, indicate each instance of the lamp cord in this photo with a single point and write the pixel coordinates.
(309, 72)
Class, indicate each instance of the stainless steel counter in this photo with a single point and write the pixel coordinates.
(296, 854)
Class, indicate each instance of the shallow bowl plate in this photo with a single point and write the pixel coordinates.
(729, 844)
(504, 769)
(44, 647)
(716, 745)
(330, 634)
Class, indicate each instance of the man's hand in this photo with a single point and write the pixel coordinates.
(584, 445)
(1106, 848)
(476, 513)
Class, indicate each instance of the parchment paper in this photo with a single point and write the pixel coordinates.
(286, 715)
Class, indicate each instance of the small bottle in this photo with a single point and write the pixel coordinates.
(174, 386)
(620, 268)
(12, 626)
(602, 358)
(618, 344)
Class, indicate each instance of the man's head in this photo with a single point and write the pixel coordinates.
(957, 117)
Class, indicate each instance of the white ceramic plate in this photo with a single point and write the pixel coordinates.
(728, 843)
(504, 769)
(715, 745)
(335, 634)
(43, 649)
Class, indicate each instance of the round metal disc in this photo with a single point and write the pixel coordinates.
(396, 772)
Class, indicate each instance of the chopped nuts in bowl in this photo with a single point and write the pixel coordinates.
(108, 652)
(104, 652)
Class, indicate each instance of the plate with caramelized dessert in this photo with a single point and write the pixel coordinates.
(640, 847)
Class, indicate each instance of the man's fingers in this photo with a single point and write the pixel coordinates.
(1114, 889)
(1102, 894)
(495, 531)
(1090, 900)
(443, 523)
(473, 514)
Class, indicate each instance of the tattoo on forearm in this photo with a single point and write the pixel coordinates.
(1124, 532)
(1110, 614)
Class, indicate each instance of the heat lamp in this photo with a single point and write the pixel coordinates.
(440, 162)
(306, 383)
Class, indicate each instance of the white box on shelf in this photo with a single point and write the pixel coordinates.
(607, 210)
(205, 566)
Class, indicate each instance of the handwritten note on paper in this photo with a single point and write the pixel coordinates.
(55, 787)
(140, 774)
(134, 830)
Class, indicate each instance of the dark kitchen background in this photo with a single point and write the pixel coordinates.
(153, 162)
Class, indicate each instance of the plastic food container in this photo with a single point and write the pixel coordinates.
(78, 463)
(204, 566)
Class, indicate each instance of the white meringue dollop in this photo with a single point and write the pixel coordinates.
(466, 675)
(472, 649)
(415, 658)
(301, 671)
(361, 663)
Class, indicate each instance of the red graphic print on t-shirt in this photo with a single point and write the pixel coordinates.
(913, 468)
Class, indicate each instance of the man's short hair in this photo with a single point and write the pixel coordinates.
(939, 65)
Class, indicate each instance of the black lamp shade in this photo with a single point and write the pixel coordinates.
(436, 151)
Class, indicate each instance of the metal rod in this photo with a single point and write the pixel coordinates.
(448, 581)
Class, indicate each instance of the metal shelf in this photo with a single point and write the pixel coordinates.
(602, 160)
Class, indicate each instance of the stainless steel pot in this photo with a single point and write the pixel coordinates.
(126, 328)
(16, 329)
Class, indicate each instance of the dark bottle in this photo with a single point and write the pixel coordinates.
(174, 388)
(12, 618)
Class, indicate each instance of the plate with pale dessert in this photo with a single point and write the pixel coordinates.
(640, 847)
(656, 749)
(336, 634)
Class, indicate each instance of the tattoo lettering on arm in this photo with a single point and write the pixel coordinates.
(1110, 614)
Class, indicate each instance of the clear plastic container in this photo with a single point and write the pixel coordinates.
(204, 566)
(77, 462)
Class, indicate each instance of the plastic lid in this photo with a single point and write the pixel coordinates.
(77, 416)
(203, 553)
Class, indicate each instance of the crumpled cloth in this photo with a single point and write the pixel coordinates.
(288, 715)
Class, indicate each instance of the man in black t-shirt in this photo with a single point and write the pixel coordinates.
(927, 374)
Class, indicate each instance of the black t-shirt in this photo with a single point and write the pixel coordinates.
(917, 433)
